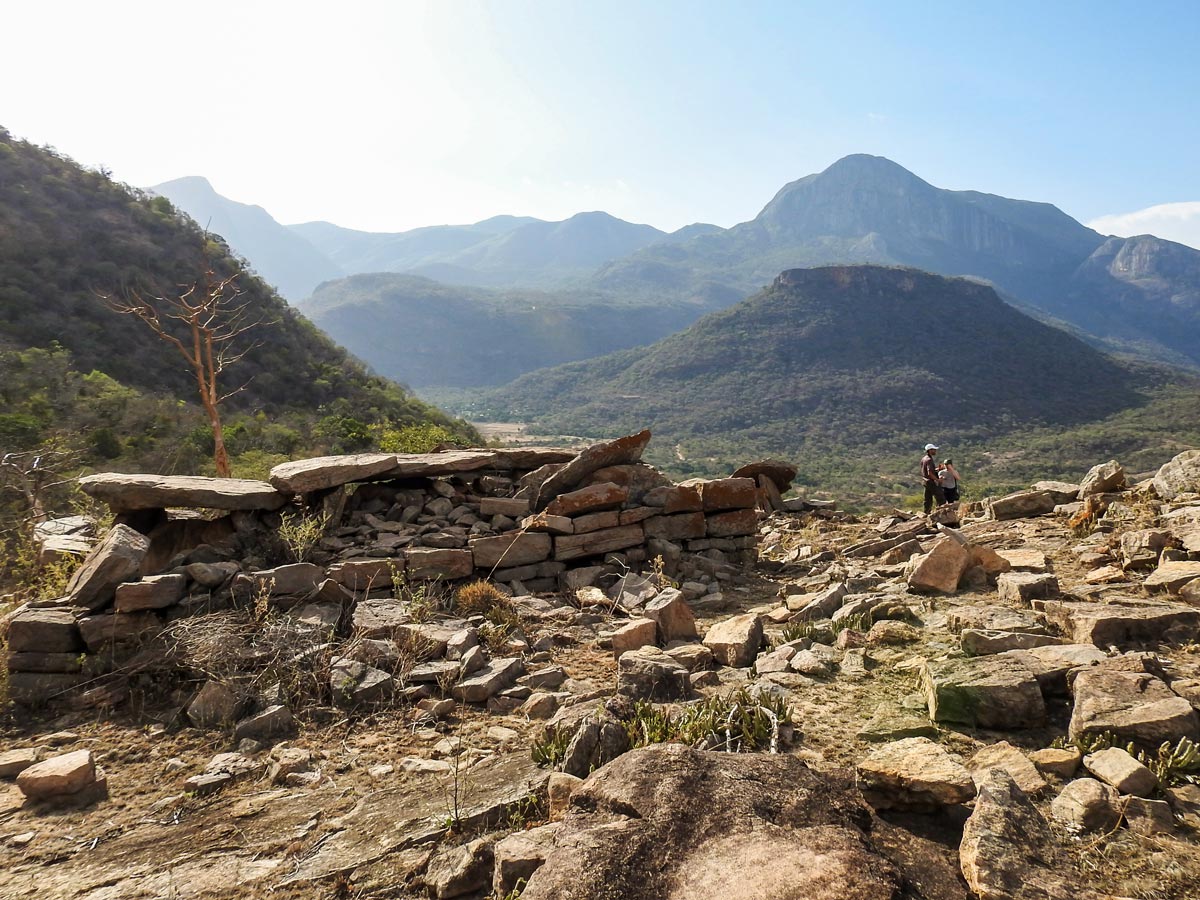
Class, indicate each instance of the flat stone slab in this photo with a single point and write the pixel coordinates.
(489, 681)
(1124, 622)
(1021, 505)
(1172, 575)
(1179, 476)
(379, 618)
(126, 492)
(1025, 560)
(596, 543)
(449, 462)
(983, 692)
(44, 631)
(302, 476)
(1134, 706)
(892, 722)
(914, 773)
(1051, 663)
(512, 549)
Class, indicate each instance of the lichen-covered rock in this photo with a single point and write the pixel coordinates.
(983, 692)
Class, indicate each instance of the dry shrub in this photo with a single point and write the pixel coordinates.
(236, 649)
(477, 598)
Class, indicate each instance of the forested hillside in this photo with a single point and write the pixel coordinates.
(849, 370)
(84, 387)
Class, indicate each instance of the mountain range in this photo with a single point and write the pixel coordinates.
(1140, 294)
(849, 370)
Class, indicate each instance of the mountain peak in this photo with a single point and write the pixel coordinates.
(196, 183)
(866, 164)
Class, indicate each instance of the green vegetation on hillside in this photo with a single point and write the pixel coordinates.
(848, 371)
(83, 388)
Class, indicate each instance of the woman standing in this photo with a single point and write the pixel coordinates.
(948, 477)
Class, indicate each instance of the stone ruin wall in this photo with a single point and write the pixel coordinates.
(532, 519)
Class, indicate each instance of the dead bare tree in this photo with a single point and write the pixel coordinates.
(33, 475)
(215, 314)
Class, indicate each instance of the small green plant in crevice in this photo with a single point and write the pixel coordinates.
(1086, 743)
(739, 723)
(1172, 764)
(551, 748)
(301, 532)
(515, 893)
(523, 814)
(794, 631)
(425, 599)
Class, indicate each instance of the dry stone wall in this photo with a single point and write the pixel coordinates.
(531, 519)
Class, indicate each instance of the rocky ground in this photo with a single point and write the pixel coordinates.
(963, 694)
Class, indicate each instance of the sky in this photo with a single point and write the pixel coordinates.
(385, 116)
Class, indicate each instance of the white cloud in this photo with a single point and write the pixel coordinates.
(1173, 221)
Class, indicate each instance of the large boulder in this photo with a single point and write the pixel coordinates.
(1179, 476)
(1007, 848)
(1173, 575)
(1101, 479)
(674, 617)
(1124, 621)
(939, 570)
(669, 823)
(648, 673)
(61, 775)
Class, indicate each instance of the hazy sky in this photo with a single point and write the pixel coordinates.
(389, 115)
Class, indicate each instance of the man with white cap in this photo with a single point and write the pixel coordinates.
(929, 475)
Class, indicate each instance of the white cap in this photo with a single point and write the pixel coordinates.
(931, 446)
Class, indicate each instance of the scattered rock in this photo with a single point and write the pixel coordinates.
(1005, 848)
(1116, 767)
(1087, 805)
(58, 776)
(913, 773)
(735, 641)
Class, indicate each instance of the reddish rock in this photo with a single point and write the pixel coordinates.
(58, 776)
(622, 451)
(675, 499)
(595, 543)
(679, 527)
(732, 523)
(589, 499)
(726, 493)
(429, 564)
